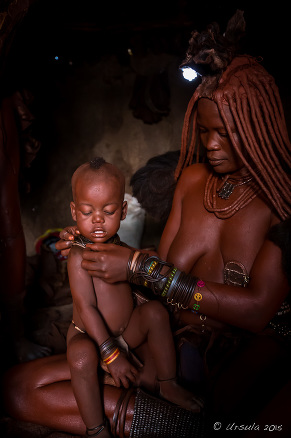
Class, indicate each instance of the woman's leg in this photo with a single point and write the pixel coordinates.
(40, 392)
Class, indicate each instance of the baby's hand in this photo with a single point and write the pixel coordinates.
(122, 371)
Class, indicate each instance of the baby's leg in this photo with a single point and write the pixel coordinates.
(150, 322)
(83, 361)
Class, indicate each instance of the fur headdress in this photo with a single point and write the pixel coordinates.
(210, 52)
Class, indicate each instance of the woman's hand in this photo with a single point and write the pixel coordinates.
(67, 236)
(106, 261)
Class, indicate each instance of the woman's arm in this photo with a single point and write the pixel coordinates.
(250, 307)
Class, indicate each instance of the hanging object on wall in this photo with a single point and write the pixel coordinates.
(150, 100)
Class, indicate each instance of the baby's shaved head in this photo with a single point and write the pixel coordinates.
(98, 168)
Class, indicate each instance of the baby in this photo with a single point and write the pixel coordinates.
(106, 324)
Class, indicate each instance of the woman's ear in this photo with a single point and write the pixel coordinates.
(73, 211)
(124, 210)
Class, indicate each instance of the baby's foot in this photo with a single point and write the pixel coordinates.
(170, 390)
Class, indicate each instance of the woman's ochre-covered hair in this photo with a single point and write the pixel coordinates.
(250, 92)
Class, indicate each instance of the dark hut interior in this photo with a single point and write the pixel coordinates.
(102, 78)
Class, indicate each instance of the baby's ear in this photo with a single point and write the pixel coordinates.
(73, 211)
(124, 210)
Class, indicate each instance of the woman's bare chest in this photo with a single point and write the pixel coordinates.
(205, 243)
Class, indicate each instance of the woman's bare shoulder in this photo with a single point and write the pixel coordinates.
(194, 174)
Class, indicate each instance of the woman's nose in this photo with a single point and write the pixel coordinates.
(211, 142)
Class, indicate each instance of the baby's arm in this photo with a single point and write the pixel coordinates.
(84, 298)
(85, 301)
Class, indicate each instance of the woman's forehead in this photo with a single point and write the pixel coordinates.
(208, 110)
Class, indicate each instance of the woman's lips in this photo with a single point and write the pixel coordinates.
(215, 163)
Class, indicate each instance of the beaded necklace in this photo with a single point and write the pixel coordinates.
(224, 191)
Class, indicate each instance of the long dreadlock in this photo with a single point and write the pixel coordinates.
(254, 102)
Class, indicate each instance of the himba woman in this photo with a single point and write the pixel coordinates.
(217, 269)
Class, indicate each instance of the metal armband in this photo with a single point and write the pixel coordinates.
(162, 278)
(145, 270)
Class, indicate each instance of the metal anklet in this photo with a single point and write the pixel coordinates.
(94, 431)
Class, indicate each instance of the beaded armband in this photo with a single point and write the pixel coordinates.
(109, 351)
(162, 278)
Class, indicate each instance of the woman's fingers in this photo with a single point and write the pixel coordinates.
(63, 246)
(106, 261)
(69, 233)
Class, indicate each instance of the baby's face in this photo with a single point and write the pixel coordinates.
(98, 208)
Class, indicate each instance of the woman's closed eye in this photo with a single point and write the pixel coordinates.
(223, 133)
(202, 130)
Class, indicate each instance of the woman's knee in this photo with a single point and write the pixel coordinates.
(82, 355)
(24, 386)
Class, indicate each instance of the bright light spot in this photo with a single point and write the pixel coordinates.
(189, 73)
(129, 51)
(56, 58)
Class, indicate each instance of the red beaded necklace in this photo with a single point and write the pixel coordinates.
(224, 191)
